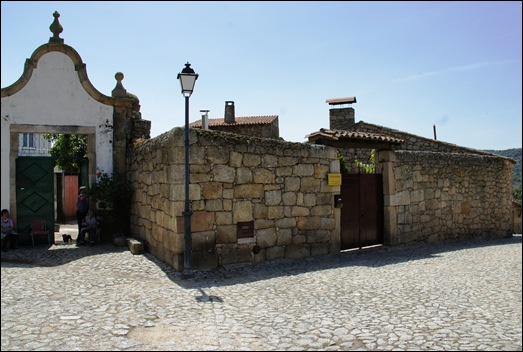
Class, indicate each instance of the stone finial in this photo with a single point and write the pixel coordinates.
(56, 28)
(119, 91)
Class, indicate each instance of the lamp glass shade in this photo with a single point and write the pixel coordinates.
(187, 79)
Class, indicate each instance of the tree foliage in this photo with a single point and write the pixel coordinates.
(358, 166)
(343, 164)
(111, 192)
(113, 195)
(370, 166)
(68, 150)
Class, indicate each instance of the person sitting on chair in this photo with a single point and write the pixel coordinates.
(9, 235)
(89, 224)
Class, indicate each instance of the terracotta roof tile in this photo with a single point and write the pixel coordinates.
(354, 135)
(251, 120)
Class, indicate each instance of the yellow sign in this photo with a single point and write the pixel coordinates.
(334, 179)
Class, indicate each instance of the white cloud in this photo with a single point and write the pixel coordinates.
(420, 76)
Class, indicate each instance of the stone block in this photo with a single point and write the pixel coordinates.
(232, 254)
(203, 241)
(273, 197)
(266, 237)
(304, 170)
(204, 260)
(264, 176)
(320, 248)
(275, 253)
(297, 251)
(248, 191)
(135, 246)
(212, 190)
(226, 234)
(242, 211)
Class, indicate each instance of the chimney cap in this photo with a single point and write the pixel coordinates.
(339, 101)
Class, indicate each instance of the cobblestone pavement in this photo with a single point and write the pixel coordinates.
(451, 296)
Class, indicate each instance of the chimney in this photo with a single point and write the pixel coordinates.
(205, 119)
(229, 112)
(341, 117)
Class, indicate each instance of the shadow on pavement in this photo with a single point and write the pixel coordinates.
(63, 254)
(374, 257)
(57, 254)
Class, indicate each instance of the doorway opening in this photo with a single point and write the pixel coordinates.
(50, 168)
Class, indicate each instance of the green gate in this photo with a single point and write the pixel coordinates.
(34, 195)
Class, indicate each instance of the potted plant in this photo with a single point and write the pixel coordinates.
(113, 198)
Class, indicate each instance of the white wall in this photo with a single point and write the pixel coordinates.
(54, 97)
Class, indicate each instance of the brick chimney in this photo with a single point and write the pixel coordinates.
(341, 117)
(229, 112)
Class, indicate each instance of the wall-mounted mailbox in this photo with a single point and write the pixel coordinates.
(338, 201)
(245, 229)
(334, 179)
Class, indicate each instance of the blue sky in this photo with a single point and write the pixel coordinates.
(411, 65)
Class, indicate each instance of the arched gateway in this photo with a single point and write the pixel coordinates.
(54, 95)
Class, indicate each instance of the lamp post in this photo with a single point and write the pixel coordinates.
(187, 79)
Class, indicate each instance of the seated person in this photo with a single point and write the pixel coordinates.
(89, 225)
(9, 235)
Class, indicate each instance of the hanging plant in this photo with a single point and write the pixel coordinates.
(343, 164)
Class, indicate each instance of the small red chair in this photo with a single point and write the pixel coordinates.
(39, 228)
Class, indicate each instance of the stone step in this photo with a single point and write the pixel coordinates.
(135, 246)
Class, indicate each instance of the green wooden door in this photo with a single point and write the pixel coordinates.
(34, 195)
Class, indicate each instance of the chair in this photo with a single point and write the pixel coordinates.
(99, 221)
(39, 228)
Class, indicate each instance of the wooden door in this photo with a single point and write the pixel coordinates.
(362, 211)
(34, 194)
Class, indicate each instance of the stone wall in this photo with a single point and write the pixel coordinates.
(440, 196)
(516, 212)
(278, 187)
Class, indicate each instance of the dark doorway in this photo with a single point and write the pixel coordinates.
(362, 212)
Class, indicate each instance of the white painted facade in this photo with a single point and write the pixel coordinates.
(54, 100)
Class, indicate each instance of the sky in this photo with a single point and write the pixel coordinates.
(411, 65)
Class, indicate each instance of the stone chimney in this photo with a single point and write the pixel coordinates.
(341, 117)
(229, 112)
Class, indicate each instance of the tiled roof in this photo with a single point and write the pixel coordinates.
(238, 121)
(335, 135)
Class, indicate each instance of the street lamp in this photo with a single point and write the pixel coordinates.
(187, 79)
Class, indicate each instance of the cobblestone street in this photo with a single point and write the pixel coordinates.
(453, 296)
